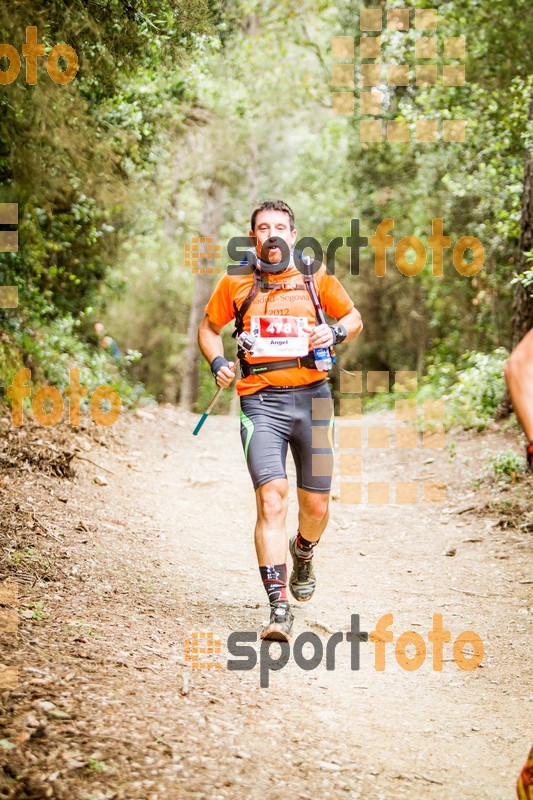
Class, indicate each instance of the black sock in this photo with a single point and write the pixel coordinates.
(274, 577)
(304, 547)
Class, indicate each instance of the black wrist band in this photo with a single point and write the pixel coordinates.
(216, 363)
(339, 333)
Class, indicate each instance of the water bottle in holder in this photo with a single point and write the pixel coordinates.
(323, 358)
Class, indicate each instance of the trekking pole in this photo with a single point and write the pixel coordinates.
(311, 288)
(246, 341)
(324, 358)
(206, 413)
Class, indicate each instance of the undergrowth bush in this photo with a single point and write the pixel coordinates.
(51, 350)
(504, 464)
(471, 390)
(477, 390)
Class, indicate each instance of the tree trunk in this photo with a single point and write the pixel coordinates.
(252, 172)
(522, 320)
(523, 303)
(211, 222)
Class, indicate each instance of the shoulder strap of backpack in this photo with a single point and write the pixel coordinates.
(240, 312)
(311, 288)
(261, 284)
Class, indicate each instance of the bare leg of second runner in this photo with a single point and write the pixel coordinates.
(519, 377)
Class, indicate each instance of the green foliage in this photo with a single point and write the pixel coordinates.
(475, 187)
(29, 558)
(51, 351)
(440, 377)
(471, 391)
(96, 766)
(479, 387)
(5, 744)
(505, 464)
(39, 612)
(208, 387)
(112, 171)
(526, 277)
(75, 157)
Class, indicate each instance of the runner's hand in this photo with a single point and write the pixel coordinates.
(225, 375)
(319, 335)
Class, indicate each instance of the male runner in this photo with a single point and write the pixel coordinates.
(519, 377)
(280, 388)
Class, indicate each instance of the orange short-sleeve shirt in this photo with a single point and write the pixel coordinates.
(284, 302)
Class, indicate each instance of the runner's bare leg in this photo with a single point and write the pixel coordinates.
(313, 514)
(272, 501)
(519, 376)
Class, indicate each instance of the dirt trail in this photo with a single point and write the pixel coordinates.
(166, 549)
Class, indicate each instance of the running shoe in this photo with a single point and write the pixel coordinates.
(280, 625)
(302, 582)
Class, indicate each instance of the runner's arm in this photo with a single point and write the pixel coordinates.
(210, 342)
(519, 377)
(322, 335)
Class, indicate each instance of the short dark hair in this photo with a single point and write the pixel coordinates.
(273, 205)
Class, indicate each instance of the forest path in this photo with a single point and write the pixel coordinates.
(165, 549)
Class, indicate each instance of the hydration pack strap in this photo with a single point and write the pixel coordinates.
(262, 284)
(240, 312)
(311, 288)
(307, 361)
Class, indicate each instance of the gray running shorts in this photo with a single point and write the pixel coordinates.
(299, 416)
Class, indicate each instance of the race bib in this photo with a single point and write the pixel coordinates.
(279, 336)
